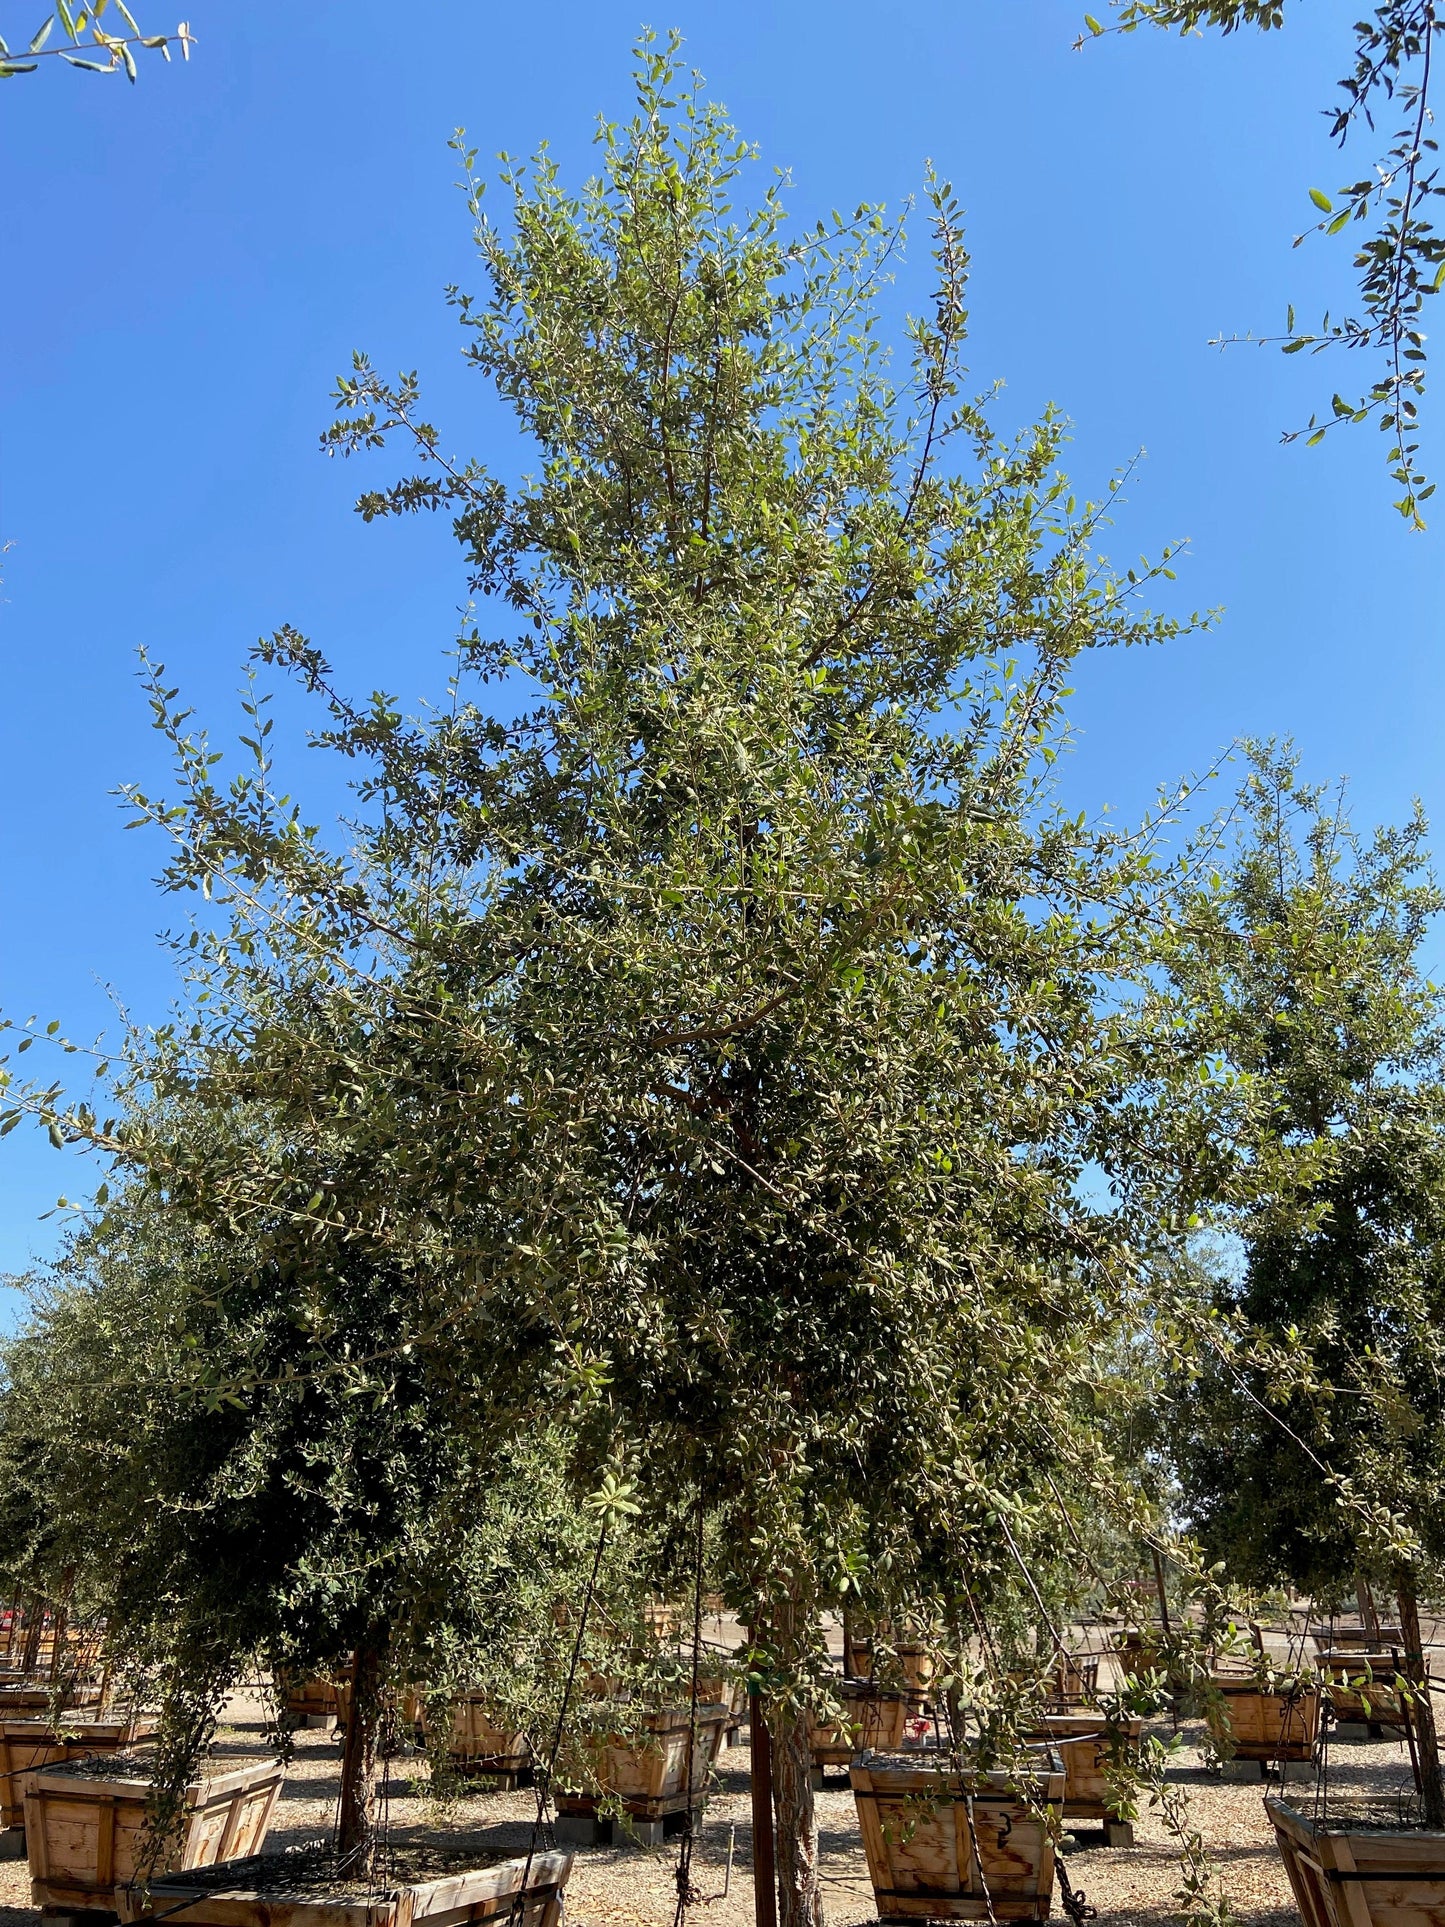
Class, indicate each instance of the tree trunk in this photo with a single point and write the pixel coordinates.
(34, 1633)
(1161, 1591)
(790, 1632)
(1422, 1712)
(800, 1894)
(356, 1820)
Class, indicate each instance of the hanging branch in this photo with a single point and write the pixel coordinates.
(1400, 256)
(117, 50)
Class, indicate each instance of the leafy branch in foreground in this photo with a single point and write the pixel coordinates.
(117, 50)
(1400, 255)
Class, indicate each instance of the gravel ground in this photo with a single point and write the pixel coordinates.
(634, 1887)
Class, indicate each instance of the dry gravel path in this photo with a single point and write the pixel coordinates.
(633, 1887)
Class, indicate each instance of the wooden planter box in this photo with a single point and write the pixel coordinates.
(1137, 1652)
(945, 1845)
(1360, 1686)
(35, 1697)
(649, 1772)
(27, 1745)
(912, 1669)
(456, 1900)
(314, 1702)
(1089, 1746)
(1256, 1724)
(479, 1743)
(873, 1721)
(1349, 1876)
(1341, 1639)
(86, 1836)
(1076, 1678)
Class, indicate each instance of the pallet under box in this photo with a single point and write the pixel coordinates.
(647, 1822)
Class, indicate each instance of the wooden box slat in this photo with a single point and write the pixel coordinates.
(456, 1900)
(1088, 1747)
(874, 1721)
(311, 1699)
(477, 1740)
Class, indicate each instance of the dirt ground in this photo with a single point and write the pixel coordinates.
(635, 1887)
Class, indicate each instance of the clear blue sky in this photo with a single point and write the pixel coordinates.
(188, 264)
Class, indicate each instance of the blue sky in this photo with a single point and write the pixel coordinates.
(190, 262)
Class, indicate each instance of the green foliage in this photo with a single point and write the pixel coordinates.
(221, 1508)
(106, 52)
(1399, 253)
(1315, 1451)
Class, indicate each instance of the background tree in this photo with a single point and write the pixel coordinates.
(1400, 254)
(1321, 1457)
(225, 1497)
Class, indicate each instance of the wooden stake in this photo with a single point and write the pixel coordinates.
(765, 1878)
(1369, 1617)
(1159, 1588)
(1422, 1713)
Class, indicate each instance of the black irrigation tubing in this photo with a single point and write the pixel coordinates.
(685, 1890)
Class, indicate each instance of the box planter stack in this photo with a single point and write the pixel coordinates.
(312, 1702)
(1089, 1747)
(26, 1745)
(945, 1842)
(479, 1745)
(1349, 1875)
(1249, 1721)
(910, 1667)
(873, 1721)
(85, 1827)
(647, 1772)
(1360, 1686)
(258, 1893)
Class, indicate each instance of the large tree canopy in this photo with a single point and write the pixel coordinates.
(703, 1045)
